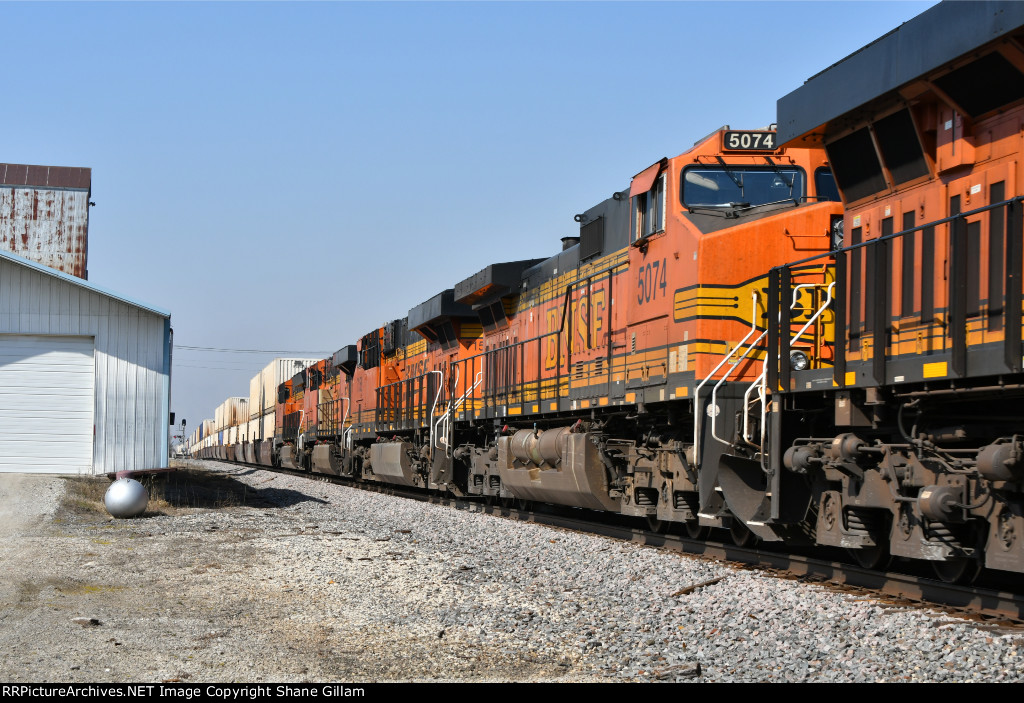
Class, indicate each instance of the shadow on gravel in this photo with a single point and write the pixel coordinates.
(187, 490)
(248, 472)
(205, 489)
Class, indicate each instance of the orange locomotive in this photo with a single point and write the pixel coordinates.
(286, 425)
(297, 415)
(572, 379)
(914, 449)
(668, 299)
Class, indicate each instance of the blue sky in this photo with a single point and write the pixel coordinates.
(287, 176)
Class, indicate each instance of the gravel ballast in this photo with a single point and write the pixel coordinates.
(303, 580)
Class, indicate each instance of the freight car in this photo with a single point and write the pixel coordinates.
(809, 335)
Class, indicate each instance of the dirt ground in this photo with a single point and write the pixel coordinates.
(197, 589)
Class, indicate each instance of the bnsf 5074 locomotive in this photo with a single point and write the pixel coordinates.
(810, 334)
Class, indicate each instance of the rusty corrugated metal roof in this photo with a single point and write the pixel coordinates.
(46, 176)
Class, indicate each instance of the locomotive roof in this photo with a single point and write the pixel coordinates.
(933, 38)
(493, 281)
(441, 305)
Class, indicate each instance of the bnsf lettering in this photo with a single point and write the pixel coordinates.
(551, 345)
(579, 315)
(589, 314)
(599, 304)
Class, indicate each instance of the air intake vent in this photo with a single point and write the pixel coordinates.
(984, 85)
(900, 148)
(591, 239)
(855, 165)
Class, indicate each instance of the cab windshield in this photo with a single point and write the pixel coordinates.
(729, 186)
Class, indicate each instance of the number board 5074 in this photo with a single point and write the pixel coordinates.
(749, 141)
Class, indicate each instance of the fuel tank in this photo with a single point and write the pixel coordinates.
(391, 463)
(555, 466)
(325, 460)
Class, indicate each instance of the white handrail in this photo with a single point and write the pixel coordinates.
(476, 383)
(761, 381)
(433, 407)
(696, 393)
(828, 301)
(714, 391)
(454, 408)
(445, 418)
(345, 414)
(759, 384)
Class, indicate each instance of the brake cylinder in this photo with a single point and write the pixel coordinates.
(999, 462)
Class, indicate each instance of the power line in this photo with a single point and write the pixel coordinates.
(253, 351)
(218, 368)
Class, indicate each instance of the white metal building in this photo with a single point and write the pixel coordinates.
(84, 375)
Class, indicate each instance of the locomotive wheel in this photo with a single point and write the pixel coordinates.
(741, 534)
(694, 530)
(524, 505)
(507, 502)
(875, 558)
(488, 501)
(961, 571)
(656, 525)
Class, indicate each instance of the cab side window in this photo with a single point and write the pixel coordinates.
(649, 210)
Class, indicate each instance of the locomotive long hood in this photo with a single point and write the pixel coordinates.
(495, 281)
(438, 308)
(924, 44)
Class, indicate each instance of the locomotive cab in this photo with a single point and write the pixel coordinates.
(706, 226)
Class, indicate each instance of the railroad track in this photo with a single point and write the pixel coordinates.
(990, 604)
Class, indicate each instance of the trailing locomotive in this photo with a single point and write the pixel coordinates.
(810, 334)
(910, 442)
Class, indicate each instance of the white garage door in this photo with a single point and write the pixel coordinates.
(46, 404)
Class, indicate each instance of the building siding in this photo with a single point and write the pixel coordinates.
(132, 384)
(49, 226)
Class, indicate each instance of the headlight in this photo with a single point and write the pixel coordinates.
(798, 361)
